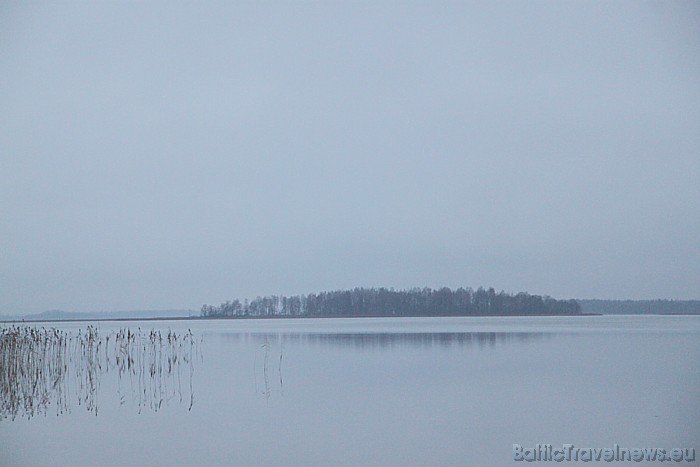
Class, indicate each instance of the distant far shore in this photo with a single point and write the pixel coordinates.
(383, 303)
(281, 317)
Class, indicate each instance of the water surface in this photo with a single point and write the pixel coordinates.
(386, 391)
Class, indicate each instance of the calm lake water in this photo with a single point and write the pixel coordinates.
(419, 391)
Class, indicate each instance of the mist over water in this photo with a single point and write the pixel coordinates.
(162, 155)
(418, 391)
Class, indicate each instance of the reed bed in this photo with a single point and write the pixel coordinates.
(47, 369)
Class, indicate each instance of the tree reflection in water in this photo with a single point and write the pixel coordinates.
(42, 368)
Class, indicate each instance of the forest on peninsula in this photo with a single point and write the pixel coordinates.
(389, 302)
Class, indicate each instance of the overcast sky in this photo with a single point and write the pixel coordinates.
(164, 155)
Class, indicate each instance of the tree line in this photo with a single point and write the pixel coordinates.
(390, 302)
(634, 307)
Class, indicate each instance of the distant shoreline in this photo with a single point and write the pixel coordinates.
(282, 317)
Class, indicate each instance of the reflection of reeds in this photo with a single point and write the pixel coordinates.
(44, 367)
(266, 392)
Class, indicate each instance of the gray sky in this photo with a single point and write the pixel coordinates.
(165, 155)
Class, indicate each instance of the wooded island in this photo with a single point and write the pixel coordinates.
(390, 302)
